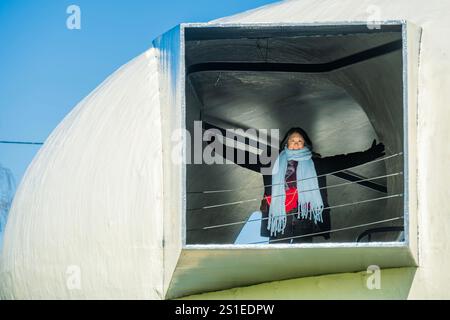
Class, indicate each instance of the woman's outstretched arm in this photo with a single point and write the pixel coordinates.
(344, 161)
(240, 157)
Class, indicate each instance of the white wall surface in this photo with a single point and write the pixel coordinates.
(86, 219)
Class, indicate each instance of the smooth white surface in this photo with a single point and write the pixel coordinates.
(90, 205)
(171, 84)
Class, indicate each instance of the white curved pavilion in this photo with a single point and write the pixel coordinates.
(91, 213)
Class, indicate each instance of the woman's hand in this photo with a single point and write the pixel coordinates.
(377, 150)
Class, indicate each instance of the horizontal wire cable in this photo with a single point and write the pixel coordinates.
(322, 175)
(326, 187)
(331, 231)
(294, 213)
(20, 142)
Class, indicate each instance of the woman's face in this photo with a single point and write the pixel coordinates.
(296, 141)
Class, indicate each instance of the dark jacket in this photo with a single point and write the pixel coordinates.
(322, 165)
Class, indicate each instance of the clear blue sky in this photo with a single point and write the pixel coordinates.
(46, 69)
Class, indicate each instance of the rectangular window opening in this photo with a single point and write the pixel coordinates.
(343, 84)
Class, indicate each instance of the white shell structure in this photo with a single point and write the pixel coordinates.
(87, 219)
(84, 233)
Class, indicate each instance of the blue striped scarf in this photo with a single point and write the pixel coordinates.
(307, 188)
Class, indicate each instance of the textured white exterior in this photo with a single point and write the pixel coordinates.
(90, 204)
(92, 196)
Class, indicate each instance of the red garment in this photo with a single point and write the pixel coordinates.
(291, 199)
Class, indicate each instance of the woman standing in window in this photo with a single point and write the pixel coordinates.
(294, 182)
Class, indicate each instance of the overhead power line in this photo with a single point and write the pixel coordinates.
(21, 142)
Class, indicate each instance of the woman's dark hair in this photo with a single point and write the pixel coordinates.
(299, 130)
